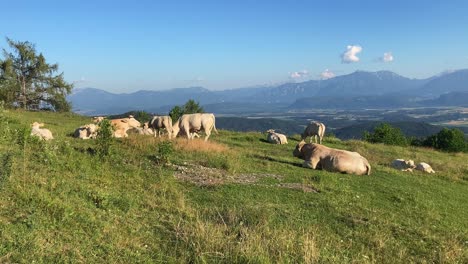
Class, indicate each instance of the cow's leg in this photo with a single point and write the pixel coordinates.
(208, 133)
(320, 138)
(187, 132)
(314, 162)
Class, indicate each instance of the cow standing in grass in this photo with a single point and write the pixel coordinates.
(314, 130)
(190, 124)
(158, 123)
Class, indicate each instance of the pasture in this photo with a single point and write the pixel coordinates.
(233, 199)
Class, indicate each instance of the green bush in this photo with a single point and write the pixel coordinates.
(386, 134)
(165, 151)
(190, 107)
(452, 140)
(104, 139)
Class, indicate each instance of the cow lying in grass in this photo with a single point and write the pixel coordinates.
(122, 125)
(317, 156)
(41, 133)
(276, 138)
(86, 132)
(403, 165)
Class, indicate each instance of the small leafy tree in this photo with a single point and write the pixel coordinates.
(452, 140)
(386, 134)
(190, 107)
(28, 81)
(175, 113)
(104, 139)
(165, 150)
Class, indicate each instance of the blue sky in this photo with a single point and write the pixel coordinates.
(124, 46)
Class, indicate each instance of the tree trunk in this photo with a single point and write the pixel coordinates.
(24, 93)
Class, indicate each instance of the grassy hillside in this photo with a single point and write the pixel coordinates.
(234, 199)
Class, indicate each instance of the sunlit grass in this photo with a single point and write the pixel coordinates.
(62, 203)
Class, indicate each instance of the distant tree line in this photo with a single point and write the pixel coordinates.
(27, 81)
(452, 140)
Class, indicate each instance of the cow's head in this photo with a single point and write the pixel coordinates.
(298, 150)
(132, 122)
(410, 164)
(37, 125)
(98, 119)
(175, 129)
(270, 131)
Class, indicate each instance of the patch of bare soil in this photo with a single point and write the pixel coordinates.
(205, 176)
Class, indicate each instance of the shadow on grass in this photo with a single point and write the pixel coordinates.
(277, 160)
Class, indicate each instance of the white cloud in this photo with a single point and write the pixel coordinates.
(299, 74)
(387, 57)
(350, 55)
(327, 74)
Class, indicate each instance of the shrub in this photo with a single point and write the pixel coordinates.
(452, 140)
(104, 139)
(386, 134)
(165, 151)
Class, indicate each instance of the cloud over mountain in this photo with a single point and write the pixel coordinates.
(387, 57)
(350, 55)
(327, 74)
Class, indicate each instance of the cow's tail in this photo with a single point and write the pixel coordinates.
(368, 169)
(214, 126)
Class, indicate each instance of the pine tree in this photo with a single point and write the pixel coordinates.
(29, 82)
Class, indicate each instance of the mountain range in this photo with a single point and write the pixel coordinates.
(359, 89)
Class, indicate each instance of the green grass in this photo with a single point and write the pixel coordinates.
(59, 202)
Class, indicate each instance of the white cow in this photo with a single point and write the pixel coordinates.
(424, 167)
(403, 165)
(190, 124)
(122, 125)
(160, 122)
(318, 156)
(314, 130)
(98, 119)
(86, 132)
(41, 133)
(276, 138)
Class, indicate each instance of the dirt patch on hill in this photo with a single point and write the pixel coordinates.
(205, 176)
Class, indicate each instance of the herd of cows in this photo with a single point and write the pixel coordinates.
(315, 155)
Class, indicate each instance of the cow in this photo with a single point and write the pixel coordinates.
(98, 119)
(424, 167)
(190, 124)
(159, 122)
(147, 130)
(86, 132)
(276, 138)
(41, 133)
(314, 130)
(318, 156)
(122, 125)
(403, 165)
